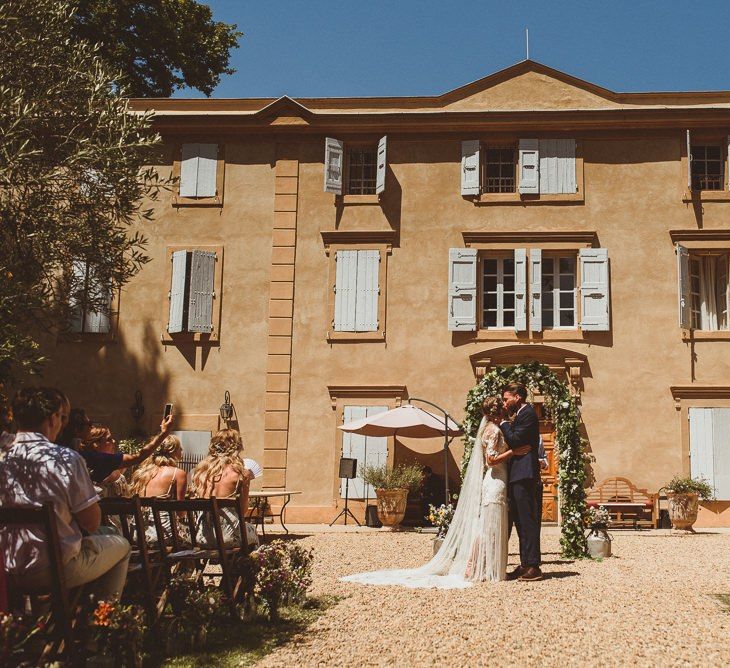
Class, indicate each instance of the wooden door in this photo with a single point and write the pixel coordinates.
(549, 475)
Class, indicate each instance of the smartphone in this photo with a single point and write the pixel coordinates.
(168, 410)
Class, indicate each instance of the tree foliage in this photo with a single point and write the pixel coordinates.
(159, 46)
(72, 176)
(572, 457)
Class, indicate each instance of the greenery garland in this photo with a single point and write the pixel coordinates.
(563, 409)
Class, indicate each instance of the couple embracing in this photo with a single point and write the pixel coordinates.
(500, 484)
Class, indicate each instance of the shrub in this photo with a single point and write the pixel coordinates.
(16, 634)
(116, 628)
(688, 485)
(402, 476)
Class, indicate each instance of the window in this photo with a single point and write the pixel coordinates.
(709, 292)
(85, 288)
(200, 170)
(367, 450)
(357, 289)
(558, 292)
(708, 167)
(366, 168)
(195, 446)
(361, 169)
(499, 170)
(709, 447)
(498, 292)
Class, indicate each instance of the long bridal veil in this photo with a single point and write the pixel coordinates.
(465, 555)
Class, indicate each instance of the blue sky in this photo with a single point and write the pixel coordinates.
(310, 48)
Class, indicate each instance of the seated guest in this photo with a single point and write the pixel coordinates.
(76, 430)
(103, 459)
(223, 474)
(34, 471)
(161, 477)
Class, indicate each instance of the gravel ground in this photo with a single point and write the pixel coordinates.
(651, 605)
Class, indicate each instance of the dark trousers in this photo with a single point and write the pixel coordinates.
(526, 516)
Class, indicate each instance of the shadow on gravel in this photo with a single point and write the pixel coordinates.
(557, 575)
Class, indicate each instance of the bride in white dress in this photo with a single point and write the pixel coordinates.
(475, 547)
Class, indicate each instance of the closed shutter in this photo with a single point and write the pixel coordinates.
(721, 452)
(728, 161)
(353, 446)
(189, 170)
(178, 281)
(462, 289)
(594, 290)
(689, 161)
(202, 286)
(98, 322)
(684, 288)
(345, 290)
(366, 301)
(376, 449)
(77, 293)
(520, 290)
(334, 151)
(207, 170)
(529, 166)
(382, 165)
(701, 451)
(557, 166)
(470, 167)
(536, 289)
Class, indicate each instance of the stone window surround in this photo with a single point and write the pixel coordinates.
(705, 195)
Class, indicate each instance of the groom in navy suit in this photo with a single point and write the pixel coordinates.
(524, 472)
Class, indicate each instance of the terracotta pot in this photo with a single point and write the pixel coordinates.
(683, 510)
(391, 506)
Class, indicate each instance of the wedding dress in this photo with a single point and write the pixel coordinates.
(475, 546)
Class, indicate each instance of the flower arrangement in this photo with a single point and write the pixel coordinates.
(116, 627)
(403, 476)
(689, 485)
(16, 632)
(441, 517)
(283, 575)
(597, 519)
(194, 606)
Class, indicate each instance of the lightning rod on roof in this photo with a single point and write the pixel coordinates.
(527, 43)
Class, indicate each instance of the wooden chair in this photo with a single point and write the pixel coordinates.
(627, 504)
(142, 563)
(62, 604)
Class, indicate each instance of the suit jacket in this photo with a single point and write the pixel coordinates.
(524, 430)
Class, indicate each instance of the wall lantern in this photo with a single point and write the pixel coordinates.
(226, 408)
(137, 408)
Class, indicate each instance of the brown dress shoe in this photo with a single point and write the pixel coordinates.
(515, 574)
(530, 574)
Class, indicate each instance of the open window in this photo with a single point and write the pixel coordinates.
(703, 289)
(359, 169)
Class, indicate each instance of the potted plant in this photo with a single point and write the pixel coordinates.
(598, 539)
(683, 494)
(118, 631)
(391, 489)
(440, 517)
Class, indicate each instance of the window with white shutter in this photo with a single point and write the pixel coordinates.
(557, 166)
(199, 170)
(202, 281)
(382, 166)
(367, 450)
(462, 293)
(334, 155)
(709, 448)
(470, 176)
(594, 289)
(559, 292)
(90, 301)
(529, 166)
(703, 290)
(498, 292)
(357, 290)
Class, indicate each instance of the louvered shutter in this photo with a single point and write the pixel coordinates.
(189, 170)
(207, 170)
(98, 322)
(376, 449)
(175, 322)
(77, 289)
(594, 289)
(728, 158)
(721, 452)
(202, 286)
(529, 166)
(462, 289)
(353, 445)
(334, 152)
(701, 450)
(557, 166)
(366, 300)
(684, 288)
(520, 289)
(689, 161)
(345, 290)
(382, 165)
(536, 289)
(470, 167)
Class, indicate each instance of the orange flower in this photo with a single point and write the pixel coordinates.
(102, 613)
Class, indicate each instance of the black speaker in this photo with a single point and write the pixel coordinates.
(348, 468)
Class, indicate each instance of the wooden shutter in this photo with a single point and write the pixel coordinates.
(529, 166)
(367, 289)
(594, 289)
(689, 161)
(334, 153)
(353, 445)
(382, 165)
(207, 170)
(728, 161)
(721, 452)
(470, 167)
(177, 291)
(376, 449)
(462, 289)
(557, 166)
(189, 170)
(701, 451)
(98, 322)
(520, 289)
(77, 288)
(684, 288)
(202, 290)
(536, 289)
(345, 290)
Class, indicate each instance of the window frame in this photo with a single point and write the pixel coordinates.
(217, 200)
(484, 163)
(500, 256)
(695, 257)
(193, 337)
(68, 336)
(349, 149)
(556, 256)
(705, 139)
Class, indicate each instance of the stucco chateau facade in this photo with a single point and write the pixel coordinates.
(322, 258)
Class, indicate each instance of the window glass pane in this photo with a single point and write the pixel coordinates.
(547, 266)
(547, 300)
(509, 266)
(567, 282)
(490, 266)
(509, 283)
(566, 300)
(490, 319)
(567, 265)
(490, 300)
(509, 301)
(509, 319)
(567, 318)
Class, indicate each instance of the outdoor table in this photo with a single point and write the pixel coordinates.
(258, 508)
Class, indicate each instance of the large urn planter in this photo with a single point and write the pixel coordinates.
(683, 510)
(598, 543)
(391, 506)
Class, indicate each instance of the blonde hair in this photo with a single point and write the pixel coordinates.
(97, 435)
(167, 454)
(224, 451)
(492, 406)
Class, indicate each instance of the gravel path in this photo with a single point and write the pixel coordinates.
(650, 605)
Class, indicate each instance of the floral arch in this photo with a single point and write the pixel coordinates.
(572, 457)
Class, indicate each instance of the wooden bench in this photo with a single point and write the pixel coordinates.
(627, 504)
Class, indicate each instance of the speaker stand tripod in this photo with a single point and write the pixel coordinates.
(346, 511)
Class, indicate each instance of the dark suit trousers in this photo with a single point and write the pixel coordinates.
(523, 502)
